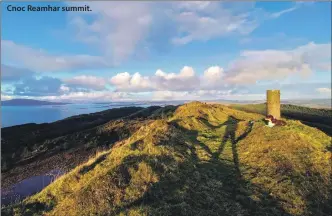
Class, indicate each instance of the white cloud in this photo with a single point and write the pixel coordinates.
(245, 97)
(5, 97)
(202, 95)
(296, 6)
(126, 82)
(119, 29)
(170, 95)
(90, 96)
(90, 82)
(116, 29)
(184, 73)
(126, 96)
(253, 66)
(140, 82)
(41, 61)
(324, 90)
(280, 13)
(121, 79)
(207, 20)
(193, 5)
(64, 89)
(277, 40)
(184, 80)
(37, 86)
(213, 77)
(213, 73)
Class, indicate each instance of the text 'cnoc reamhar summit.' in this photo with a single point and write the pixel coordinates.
(50, 8)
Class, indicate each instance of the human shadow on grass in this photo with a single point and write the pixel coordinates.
(229, 135)
(207, 123)
(199, 187)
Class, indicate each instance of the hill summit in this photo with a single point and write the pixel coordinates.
(194, 159)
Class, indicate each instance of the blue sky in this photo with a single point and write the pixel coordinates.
(123, 51)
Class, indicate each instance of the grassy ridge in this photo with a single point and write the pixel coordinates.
(319, 118)
(197, 159)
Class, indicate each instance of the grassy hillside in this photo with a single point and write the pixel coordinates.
(196, 159)
(319, 118)
(22, 142)
(34, 149)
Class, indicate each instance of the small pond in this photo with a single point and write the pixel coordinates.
(28, 187)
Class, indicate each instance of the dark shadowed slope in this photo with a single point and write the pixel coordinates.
(27, 143)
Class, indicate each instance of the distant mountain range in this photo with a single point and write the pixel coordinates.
(313, 103)
(28, 102)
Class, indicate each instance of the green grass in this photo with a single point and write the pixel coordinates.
(319, 118)
(197, 159)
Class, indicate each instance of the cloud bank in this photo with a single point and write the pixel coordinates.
(119, 31)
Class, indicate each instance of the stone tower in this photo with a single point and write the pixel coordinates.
(273, 103)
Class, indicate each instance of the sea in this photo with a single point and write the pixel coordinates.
(17, 115)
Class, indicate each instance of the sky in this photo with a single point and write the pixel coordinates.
(147, 51)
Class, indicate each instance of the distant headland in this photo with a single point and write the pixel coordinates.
(29, 102)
